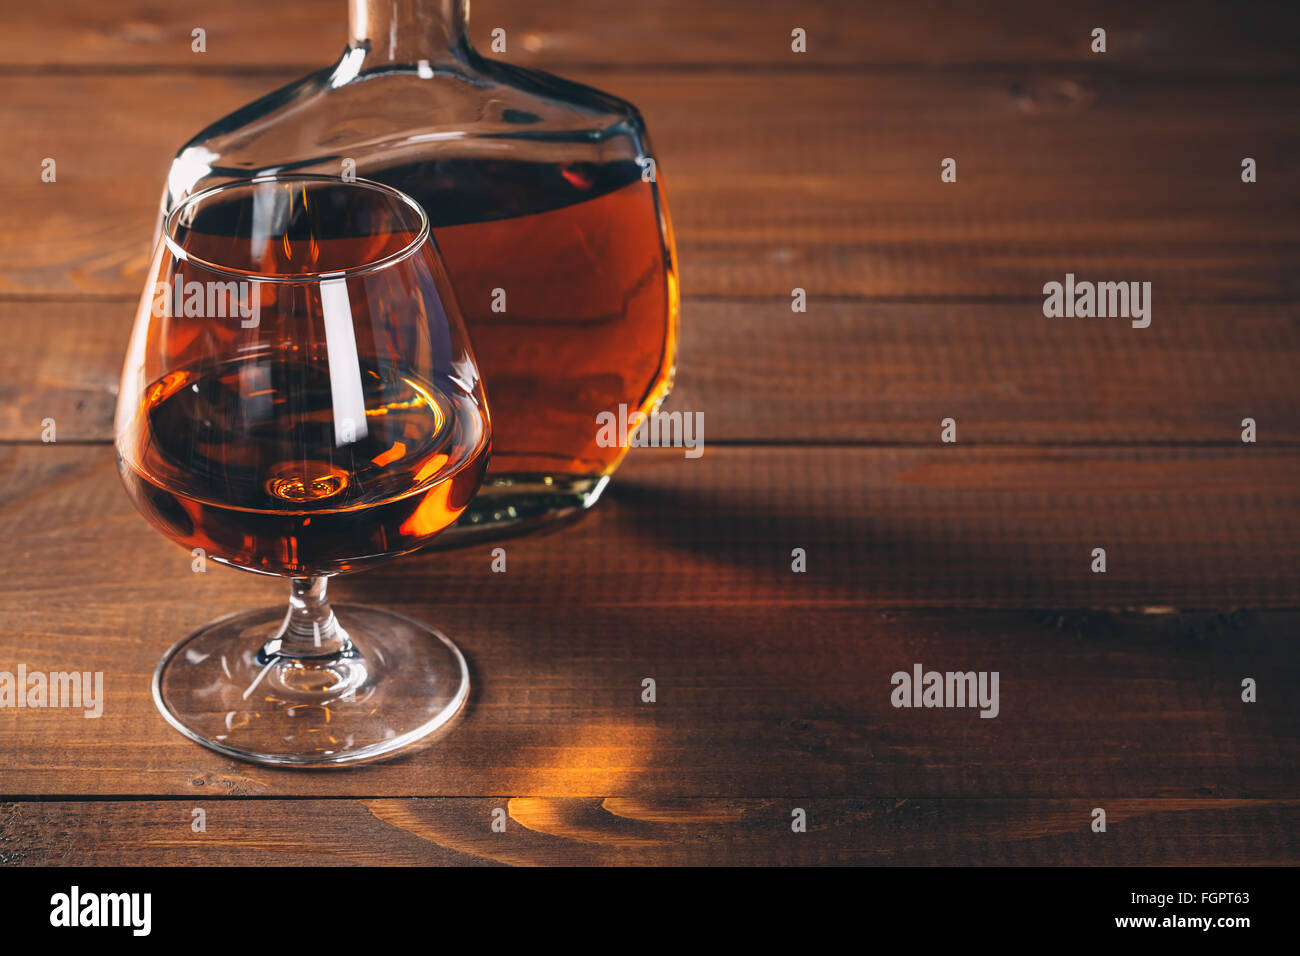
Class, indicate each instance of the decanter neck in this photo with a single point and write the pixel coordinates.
(408, 31)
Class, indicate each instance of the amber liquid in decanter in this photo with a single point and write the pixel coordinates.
(578, 324)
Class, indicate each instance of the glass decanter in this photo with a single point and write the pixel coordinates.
(546, 202)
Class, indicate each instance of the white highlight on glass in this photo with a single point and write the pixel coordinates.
(345, 368)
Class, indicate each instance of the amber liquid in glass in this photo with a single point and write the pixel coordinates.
(247, 448)
(242, 460)
(588, 317)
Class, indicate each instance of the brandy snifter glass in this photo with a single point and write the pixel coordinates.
(300, 398)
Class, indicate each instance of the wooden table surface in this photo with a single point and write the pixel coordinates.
(820, 171)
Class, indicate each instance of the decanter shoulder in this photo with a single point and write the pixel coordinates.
(349, 110)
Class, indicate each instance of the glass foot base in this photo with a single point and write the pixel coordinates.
(511, 504)
(397, 682)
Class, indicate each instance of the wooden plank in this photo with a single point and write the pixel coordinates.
(779, 181)
(844, 371)
(891, 372)
(769, 682)
(643, 831)
(1165, 35)
(883, 527)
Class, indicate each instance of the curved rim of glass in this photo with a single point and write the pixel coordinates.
(422, 235)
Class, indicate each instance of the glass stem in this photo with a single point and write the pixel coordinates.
(310, 630)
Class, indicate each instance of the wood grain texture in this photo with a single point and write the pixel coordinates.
(845, 371)
(777, 181)
(769, 682)
(886, 527)
(883, 527)
(749, 703)
(635, 831)
(1150, 37)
